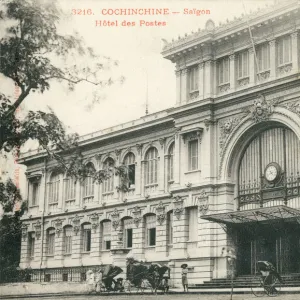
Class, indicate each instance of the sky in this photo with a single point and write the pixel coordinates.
(138, 51)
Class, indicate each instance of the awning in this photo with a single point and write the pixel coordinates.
(261, 214)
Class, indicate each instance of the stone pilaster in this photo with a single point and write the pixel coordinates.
(95, 233)
(208, 78)
(184, 83)
(138, 170)
(295, 51)
(161, 235)
(43, 191)
(177, 159)
(273, 62)
(76, 244)
(232, 76)
(201, 80)
(252, 67)
(143, 165)
(178, 86)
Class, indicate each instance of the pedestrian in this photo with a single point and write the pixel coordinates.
(184, 278)
(90, 280)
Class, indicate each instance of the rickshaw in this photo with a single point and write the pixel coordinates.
(267, 280)
(146, 276)
(109, 283)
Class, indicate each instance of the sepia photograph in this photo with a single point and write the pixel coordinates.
(149, 149)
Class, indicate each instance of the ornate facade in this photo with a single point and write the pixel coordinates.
(226, 155)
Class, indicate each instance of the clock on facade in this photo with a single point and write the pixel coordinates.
(272, 172)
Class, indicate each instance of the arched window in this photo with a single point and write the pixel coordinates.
(50, 241)
(150, 230)
(108, 184)
(171, 163)
(151, 171)
(88, 184)
(53, 188)
(129, 162)
(270, 161)
(67, 240)
(86, 237)
(106, 234)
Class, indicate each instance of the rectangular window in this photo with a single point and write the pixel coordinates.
(243, 64)
(193, 155)
(151, 230)
(223, 70)
(53, 192)
(31, 244)
(263, 57)
(86, 238)
(106, 235)
(128, 224)
(193, 78)
(68, 240)
(47, 278)
(65, 277)
(193, 223)
(284, 50)
(82, 276)
(35, 193)
(51, 242)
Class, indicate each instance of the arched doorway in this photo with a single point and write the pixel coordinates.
(268, 176)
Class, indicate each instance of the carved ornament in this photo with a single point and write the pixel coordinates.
(24, 230)
(202, 201)
(38, 229)
(178, 207)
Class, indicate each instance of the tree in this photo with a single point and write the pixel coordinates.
(33, 55)
(10, 231)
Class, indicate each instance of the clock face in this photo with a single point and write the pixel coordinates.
(271, 173)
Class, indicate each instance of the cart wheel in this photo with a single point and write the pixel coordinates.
(272, 285)
(257, 286)
(127, 286)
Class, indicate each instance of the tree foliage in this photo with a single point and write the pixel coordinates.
(10, 231)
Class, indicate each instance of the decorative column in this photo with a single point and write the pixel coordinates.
(138, 171)
(143, 166)
(184, 82)
(38, 241)
(252, 67)
(161, 230)
(178, 87)
(161, 165)
(180, 228)
(177, 158)
(58, 238)
(24, 245)
(201, 80)
(208, 65)
(43, 191)
(95, 231)
(232, 79)
(138, 239)
(273, 63)
(116, 226)
(295, 49)
(76, 241)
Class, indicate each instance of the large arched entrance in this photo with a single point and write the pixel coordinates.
(268, 177)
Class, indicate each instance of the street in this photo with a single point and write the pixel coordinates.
(172, 296)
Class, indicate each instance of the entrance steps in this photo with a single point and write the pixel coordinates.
(245, 281)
